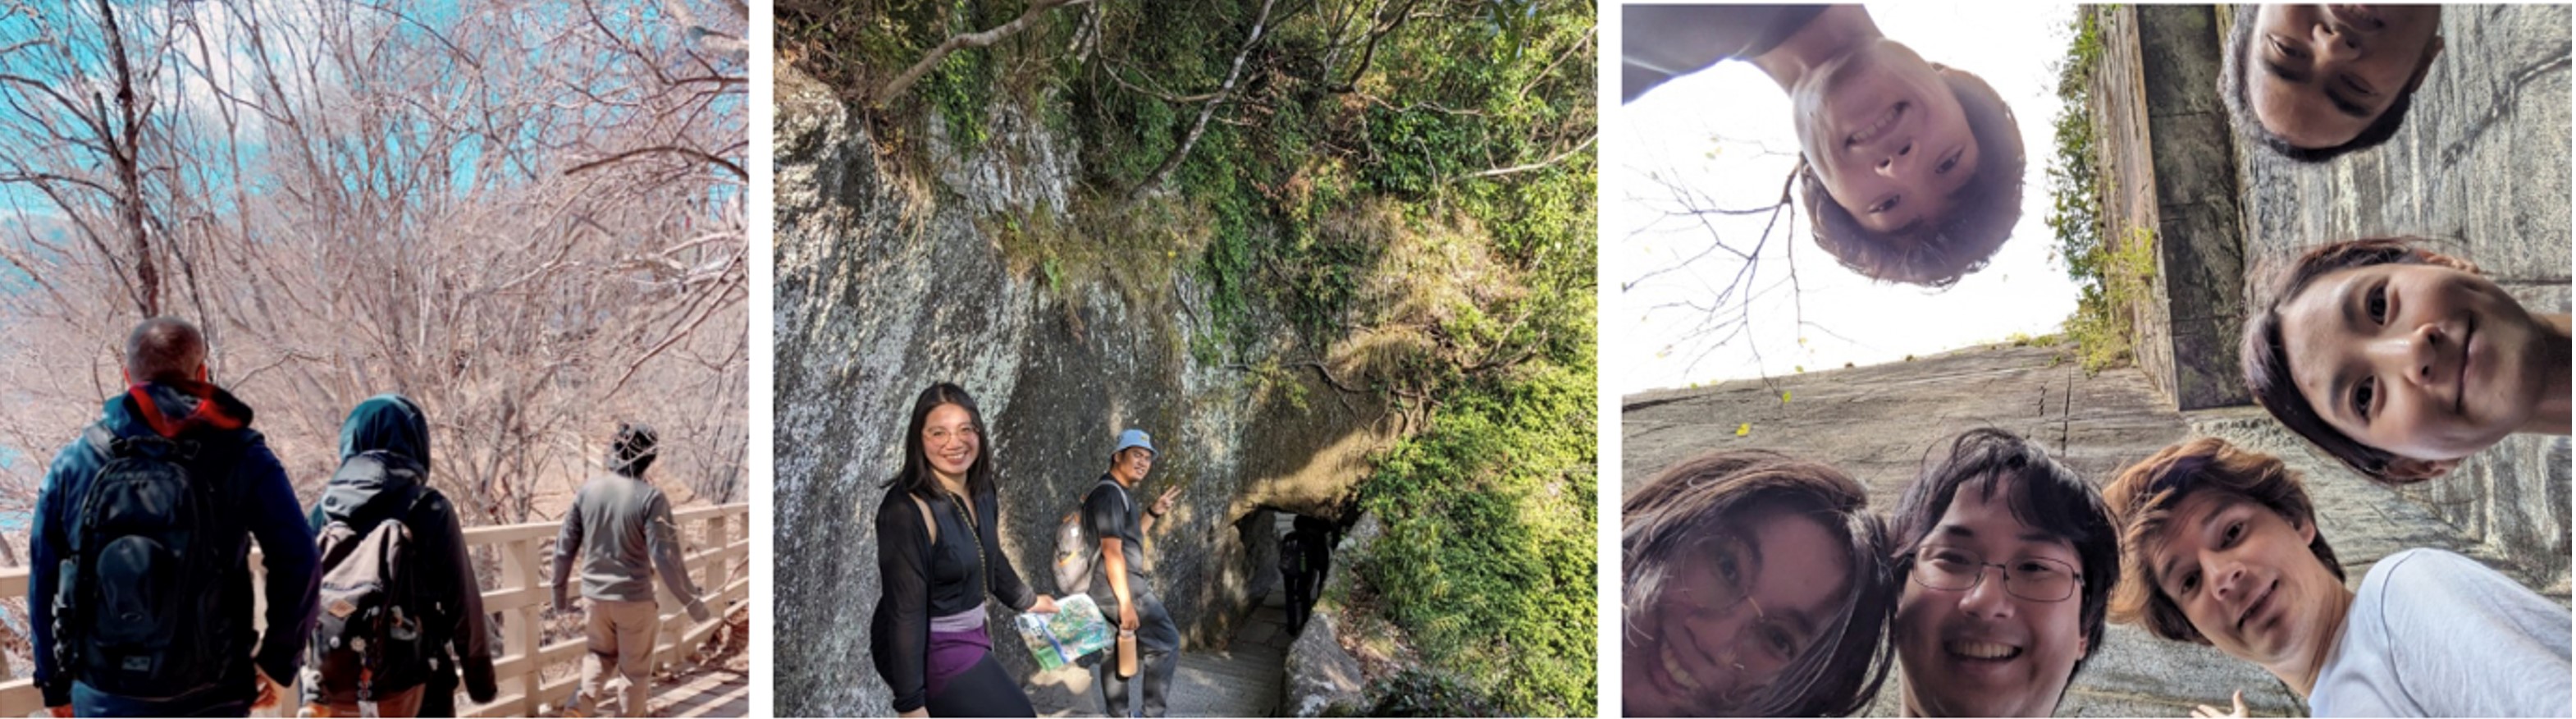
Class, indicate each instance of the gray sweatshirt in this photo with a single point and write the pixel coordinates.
(621, 528)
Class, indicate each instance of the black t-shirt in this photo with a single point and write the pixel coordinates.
(1109, 511)
(1668, 41)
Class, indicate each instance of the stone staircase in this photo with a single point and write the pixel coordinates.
(1241, 679)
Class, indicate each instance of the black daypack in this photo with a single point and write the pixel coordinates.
(137, 612)
(371, 620)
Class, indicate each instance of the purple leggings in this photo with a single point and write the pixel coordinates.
(964, 680)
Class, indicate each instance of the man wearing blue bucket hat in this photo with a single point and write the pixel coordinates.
(1122, 581)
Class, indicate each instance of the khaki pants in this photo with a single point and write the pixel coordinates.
(405, 703)
(621, 635)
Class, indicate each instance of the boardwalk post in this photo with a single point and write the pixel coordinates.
(520, 638)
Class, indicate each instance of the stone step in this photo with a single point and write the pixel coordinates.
(1243, 679)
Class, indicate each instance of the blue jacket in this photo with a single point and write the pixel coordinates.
(261, 493)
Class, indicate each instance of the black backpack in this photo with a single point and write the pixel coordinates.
(138, 610)
(370, 620)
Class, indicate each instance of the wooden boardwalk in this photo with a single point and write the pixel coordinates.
(708, 693)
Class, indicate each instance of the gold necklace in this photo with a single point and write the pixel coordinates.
(974, 536)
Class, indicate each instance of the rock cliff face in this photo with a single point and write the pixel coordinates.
(888, 281)
(2475, 168)
(2461, 171)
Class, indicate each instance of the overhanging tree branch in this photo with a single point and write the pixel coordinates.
(1155, 178)
(973, 39)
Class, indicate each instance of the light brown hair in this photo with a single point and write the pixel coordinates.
(2143, 499)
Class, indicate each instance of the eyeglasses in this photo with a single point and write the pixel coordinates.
(1761, 645)
(2038, 579)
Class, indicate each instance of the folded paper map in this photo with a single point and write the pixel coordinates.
(1076, 629)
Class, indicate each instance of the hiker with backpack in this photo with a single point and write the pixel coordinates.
(1122, 580)
(620, 527)
(141, 590)
(398, 590)
(939, 555)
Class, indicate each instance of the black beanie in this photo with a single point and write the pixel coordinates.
(633, 450)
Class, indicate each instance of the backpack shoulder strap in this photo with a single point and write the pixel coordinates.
(1122, 492)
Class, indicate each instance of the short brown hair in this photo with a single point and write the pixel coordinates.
(2267, 363)
(2143, 498)
(1936, 253)
(1838, 675)
(164, 349)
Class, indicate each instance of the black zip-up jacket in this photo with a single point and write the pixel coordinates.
(384, 451)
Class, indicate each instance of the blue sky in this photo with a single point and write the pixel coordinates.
(214, 158)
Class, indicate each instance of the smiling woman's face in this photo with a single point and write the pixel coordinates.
(1736, 607)
(948, 439)
(2421, 361)
(1887, 136)
(2317, 75)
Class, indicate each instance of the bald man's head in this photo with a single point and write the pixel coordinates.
(165, 349)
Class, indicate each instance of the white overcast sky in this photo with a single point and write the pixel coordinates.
(1727, 131)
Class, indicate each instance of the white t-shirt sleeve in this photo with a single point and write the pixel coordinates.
(2459, 639)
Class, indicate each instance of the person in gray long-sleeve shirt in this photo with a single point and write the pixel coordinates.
(620, 526)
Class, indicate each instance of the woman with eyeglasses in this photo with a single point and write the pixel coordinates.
(2008, 561)
(1754, 585)
(940, 557)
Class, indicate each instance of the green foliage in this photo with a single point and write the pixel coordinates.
(1413, 692)
(1488, 539)
(2101, 326)
(1466, 120)
(2075, 184)
(2111, 275)
(858, 46)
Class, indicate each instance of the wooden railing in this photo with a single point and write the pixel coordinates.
(719, 542)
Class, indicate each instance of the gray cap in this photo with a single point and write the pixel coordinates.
(1133, 438)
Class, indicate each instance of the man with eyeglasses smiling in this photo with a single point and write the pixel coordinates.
(2008, 560)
